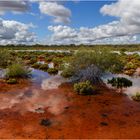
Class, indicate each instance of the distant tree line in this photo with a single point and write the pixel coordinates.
(124, 47)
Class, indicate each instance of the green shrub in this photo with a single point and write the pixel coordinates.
(120, 83)
(17, 71)
(36, 65)
(83, 88)
(103, 60)
(52, 70)
(11, 81)
(33, 60)
(136, 97)
(5, 58)
(44, 67)
(67, 73)
(48, 59)
(57, 60)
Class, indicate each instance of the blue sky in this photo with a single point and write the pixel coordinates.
(78, 22)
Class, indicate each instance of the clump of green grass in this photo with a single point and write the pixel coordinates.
(17, 71)
(52, 70)
(83, 88)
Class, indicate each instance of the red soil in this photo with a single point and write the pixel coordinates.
(22, 83)
(105, 115)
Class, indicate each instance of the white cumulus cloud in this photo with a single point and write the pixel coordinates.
(13, 6)
(60, 13)
(125, 29)
(14, 32)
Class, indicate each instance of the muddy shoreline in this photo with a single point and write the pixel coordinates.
(104, 115)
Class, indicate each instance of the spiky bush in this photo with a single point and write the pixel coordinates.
(83, 88)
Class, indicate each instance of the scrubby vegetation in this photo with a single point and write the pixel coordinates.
(90, 65)
(12, 81)
(5, 58)
(52, 70)
(136, 97)
(44, 67)
(120, 83)
(77, 63)
(132, 62)
(17, 71)
(36, 65)
(84, 88)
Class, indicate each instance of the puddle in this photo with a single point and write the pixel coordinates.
(128, 53)
(38, 96)
(2, 73)
(130, 90)
(38, 76)
(51, 65)
(52, 82)
(55, 51)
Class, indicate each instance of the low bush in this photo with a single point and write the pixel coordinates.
(48, 59)
(44, 67)
(5, 58)
(136, 97)
(67, 73)
(120, 83)
(36, 65)
(17, 71)
(83, 88)
(12, 81)
(90, 65)
(52, 70)
(33, 60)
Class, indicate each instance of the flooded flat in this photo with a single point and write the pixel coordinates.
(69, 76)
(45, 97)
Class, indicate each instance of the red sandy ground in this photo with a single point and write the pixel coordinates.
(105, 115)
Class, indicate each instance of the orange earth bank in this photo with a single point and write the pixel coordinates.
(105, 115)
